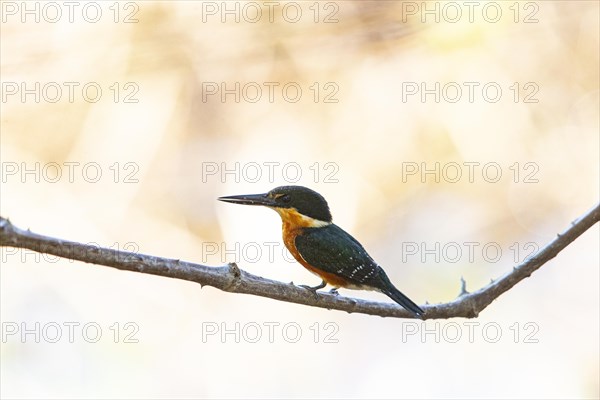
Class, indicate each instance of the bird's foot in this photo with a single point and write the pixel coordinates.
(314, 288)
(334, 291)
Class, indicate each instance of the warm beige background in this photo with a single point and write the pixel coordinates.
(171, 134)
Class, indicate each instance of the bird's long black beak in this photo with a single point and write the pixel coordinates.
(249, 199)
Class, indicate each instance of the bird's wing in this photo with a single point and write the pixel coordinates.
(332, 250)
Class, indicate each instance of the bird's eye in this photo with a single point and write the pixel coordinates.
(285, 198)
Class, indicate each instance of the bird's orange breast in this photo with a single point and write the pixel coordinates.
(293, 225)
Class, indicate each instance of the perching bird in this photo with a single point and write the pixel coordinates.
(321, 246)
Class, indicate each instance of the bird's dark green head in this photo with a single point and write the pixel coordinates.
(285, 199)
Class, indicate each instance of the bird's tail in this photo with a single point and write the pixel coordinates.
(399, 297)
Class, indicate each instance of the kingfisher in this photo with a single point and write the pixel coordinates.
(322, 247)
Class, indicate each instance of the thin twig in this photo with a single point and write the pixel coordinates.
(230, 278)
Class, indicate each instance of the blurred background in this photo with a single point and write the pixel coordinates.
(453, 139)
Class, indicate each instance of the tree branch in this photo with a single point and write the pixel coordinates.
(230, 278)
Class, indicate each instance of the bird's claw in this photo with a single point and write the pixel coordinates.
(334, 292)
(311, 288)
(314, 288)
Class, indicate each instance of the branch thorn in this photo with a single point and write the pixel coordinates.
(463, 287)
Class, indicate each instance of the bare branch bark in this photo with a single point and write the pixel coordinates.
(230, 278)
